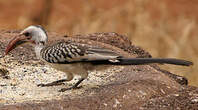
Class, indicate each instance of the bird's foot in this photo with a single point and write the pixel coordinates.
(70, 88)
(55, 83)
(41, 85)
(49, 84)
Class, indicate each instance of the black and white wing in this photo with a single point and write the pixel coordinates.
(75, 52)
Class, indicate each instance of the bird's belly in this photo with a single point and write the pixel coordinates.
(78, 68)
(75, 68)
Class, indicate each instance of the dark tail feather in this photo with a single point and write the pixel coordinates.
(139, 61)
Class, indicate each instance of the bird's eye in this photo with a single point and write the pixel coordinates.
(27, 34)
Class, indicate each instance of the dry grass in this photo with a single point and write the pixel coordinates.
(164, 36)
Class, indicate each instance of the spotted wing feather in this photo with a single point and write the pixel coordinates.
(74, 52)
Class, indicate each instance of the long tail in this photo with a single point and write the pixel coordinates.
(139, 61)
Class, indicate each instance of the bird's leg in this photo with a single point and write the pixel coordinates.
(73, 87)
(58, 82)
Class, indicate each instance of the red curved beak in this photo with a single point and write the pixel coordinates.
(16, 41)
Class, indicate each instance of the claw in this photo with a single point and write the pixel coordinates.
(70, 88)
(41, 85)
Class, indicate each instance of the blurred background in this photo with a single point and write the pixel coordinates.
(165, 28)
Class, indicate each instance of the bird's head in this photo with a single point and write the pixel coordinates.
(36, 34)
(33, 34)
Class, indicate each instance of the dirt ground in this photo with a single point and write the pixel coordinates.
(165, 28)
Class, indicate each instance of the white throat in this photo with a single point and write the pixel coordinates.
(38, 49)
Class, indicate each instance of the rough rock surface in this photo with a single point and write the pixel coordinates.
(119, 87)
